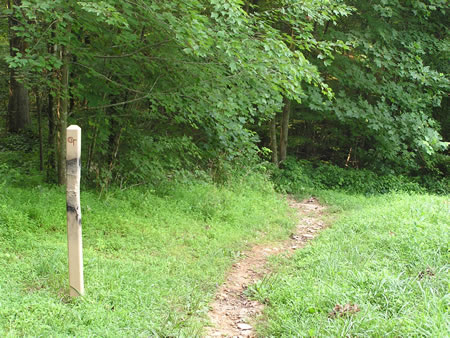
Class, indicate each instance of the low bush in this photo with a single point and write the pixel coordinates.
(298, 176)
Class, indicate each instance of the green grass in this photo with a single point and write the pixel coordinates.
(152, 259)
(388, 254)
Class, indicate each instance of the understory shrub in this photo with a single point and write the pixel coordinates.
(296, 176)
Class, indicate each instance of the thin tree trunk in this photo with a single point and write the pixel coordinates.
(284, 129)
(112, 162)
(18, 104)
(91, 149)
(273, 140)
(51, 119)
(62, 112)
(51, 164)
(41, 145)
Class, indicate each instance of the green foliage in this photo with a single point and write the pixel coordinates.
(21, 143)
(18, 161)
(300, 176)
(161, 88)
(389, 87)
(190, 78)
(152, 258)
(387, 254)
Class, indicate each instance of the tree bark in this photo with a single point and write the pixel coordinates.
(18, 105)
(62, 112)
(41, 142)
(51, 164)
(284, 129)
(273, 140)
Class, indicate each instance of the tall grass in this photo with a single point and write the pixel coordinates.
(388, 254)
(152, 259)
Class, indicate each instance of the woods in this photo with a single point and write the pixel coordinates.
(300, 144)
(161, 88)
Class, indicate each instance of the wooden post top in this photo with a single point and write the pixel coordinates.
(73, 141)
(73, 127)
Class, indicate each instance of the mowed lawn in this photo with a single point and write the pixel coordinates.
(380, 270)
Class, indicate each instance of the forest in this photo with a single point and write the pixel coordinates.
(198, 118)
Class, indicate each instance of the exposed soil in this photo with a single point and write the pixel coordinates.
(232, 313)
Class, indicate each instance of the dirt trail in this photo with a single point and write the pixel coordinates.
(232, 313)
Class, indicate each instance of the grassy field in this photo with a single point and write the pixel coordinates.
(152, 259)
(386, 258)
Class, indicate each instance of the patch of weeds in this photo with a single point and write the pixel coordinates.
(300, 177)
(258, 289)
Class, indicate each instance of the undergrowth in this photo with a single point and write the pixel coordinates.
(297, 176)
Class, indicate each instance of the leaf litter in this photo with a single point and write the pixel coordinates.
(344, 310)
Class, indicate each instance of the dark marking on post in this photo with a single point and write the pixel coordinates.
(70, 208)
(73, 166)
(73, 162)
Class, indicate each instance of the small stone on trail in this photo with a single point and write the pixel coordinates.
(308, 236)
(244, 326)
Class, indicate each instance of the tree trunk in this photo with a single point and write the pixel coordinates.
(41, 142)
(62, 112)
(18, 105)
(273, 140)
(51, 164)
(284, 129)
(91, 149)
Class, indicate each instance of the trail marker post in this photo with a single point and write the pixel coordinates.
(74, 241)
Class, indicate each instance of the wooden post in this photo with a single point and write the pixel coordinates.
(74, 242)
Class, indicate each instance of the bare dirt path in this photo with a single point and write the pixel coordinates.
(231, 312)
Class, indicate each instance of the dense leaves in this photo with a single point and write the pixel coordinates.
(164, 87)
(388, 86)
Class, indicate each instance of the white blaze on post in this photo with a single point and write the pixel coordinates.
(74, 242)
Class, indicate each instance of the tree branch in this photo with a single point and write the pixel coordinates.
(108, 79)
(128, 101)
(132, 53)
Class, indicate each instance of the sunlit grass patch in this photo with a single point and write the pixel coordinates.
(388, 255)
(152, 259)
